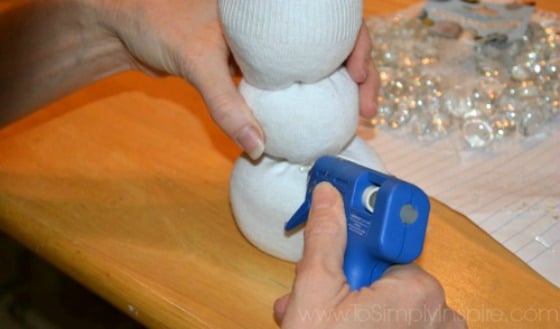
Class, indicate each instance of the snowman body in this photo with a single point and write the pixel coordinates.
(291, 54)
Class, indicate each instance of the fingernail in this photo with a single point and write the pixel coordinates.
(324, 196)
(251, 142)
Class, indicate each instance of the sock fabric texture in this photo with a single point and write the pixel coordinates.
(290, 53)
(277, 43)
(305, 121)
(265, 194)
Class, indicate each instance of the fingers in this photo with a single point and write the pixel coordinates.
(280, 306)
(358, 61)
(369, 91)
(320, 288)
(363, 72)
(226, 105)
(419, 291)
(453, 320)
(418, 283)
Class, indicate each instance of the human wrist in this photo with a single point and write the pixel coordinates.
(52, 49)
(99, 33)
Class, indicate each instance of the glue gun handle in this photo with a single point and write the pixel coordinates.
(360, 268)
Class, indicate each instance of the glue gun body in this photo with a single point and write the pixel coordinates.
(386, 217)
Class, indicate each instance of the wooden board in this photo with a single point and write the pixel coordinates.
(124, 186)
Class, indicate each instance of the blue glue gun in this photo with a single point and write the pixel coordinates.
(386, 217)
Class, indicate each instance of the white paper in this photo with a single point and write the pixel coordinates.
(512, 190)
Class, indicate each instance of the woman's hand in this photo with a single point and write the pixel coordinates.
(405, 297)
(51, 48)
(184, 38)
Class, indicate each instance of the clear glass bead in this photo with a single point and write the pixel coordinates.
(457, 103)
(490, 68)
(421, 125)
(534, 31)
(543, 105)
(492, 86)
(528, 59)
(531, 122)
(401, 113)
(552, 88)
(398, 118)
(385, 107)
(510, 89)
(482, 105)
(552, 68)
(432, 82)
(397, 87)
(477, 133)
(510, 111)
(430, 103)
(507, 101)
(513, 50)
(426, 54)
(527, 89)
(442, 123)
(503, 125)
(389, 54)
(520, 73)
(386, 75)
(514, 87)
(555, 107)
(488, 51)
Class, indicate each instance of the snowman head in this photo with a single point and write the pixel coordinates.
(280, 42)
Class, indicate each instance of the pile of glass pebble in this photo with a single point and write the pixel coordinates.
(432, 86)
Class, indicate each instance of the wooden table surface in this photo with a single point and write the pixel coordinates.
(124, 186)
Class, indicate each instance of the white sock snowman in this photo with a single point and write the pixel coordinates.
(291, 54)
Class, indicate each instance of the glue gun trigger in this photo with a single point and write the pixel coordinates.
(299, 217)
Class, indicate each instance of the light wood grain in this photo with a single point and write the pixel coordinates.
(124, 186)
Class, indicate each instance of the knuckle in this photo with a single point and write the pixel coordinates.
(306, 274)
(220, 107)
(191, 63)
(323, 224)
(418, 287)
(459, 320)
(427, 285)
(312, 272)
(306, 269)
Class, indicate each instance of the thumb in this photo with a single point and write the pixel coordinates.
(319, 281)
(325, 232)
(226, 105)
(319, 274)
